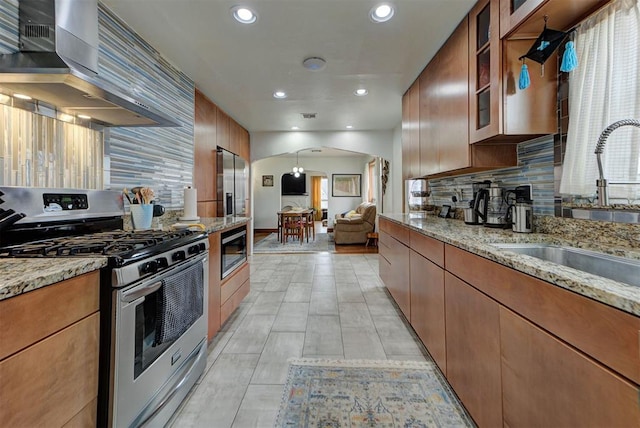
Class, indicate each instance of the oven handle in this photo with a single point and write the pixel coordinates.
(135, 294)
(195, 358)
(236, 236)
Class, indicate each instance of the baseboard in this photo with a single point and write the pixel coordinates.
(265, 230)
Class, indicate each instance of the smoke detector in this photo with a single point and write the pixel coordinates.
(309, 115)
(314, 63)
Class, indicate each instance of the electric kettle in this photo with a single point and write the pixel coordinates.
(522, 217)
(491, 207)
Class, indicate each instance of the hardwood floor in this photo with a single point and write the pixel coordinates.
(341, 249)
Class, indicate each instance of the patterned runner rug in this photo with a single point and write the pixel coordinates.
(270, 244)
(358, 393)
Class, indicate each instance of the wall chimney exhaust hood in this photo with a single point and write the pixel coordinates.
(58, 65)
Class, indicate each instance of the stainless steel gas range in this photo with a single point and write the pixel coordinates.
(153, 301)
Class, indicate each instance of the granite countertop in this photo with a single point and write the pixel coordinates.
(478, 240)
(17, 276)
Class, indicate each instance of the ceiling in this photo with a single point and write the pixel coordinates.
(240, 66)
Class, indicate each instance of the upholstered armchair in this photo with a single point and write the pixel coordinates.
(352, 228)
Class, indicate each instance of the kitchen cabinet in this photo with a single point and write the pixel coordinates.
(426, 277)
(411, 132)
(548, 383)
(525, 18)
(49, 356)
(473, 350)
(393, 244)
(215, 265)
(205, 126)
(498, 110)
(223, 132)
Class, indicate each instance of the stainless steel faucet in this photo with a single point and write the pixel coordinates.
(601, 183)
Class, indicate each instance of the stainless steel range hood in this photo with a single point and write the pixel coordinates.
(58, 65)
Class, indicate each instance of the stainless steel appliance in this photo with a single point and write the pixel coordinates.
(232, 184)
(58, 64)
(491, 206)
(471, 213)
(521, 212)
(153, 296)
(233, 251)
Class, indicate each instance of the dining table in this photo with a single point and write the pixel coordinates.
(295, 222)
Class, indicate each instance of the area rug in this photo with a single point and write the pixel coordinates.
(270, 244)
(358, 393)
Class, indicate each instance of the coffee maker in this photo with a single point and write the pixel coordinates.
(491, 206)
(520, 213)
(470, 215)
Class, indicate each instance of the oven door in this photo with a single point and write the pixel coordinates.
(159, 343)
(233, 251)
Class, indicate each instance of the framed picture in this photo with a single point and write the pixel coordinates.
(267, 181)
(347, 185)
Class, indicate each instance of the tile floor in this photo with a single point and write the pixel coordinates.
(309, 305)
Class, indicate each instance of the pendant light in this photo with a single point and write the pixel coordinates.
(297, 170)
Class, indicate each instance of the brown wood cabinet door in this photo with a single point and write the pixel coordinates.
(427, 306)
(428, 124)
(513, 12)
(399, 278)
(223, 136)
(214, 284)
(204, 177)
(411, 131)
(485, 77)
(547, 383)
(473, 350)
(406, 137)
(50, 382)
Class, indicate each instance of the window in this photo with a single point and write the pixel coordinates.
(603, 89)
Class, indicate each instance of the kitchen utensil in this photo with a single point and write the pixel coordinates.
(521, 214)
(491, 206)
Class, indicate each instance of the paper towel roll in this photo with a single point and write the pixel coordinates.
(190, 204)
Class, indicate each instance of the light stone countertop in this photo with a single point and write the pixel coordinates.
(478, 240)
(17, 276)
(20, 275)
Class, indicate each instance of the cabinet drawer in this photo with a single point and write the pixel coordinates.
(57, 306)
(397, 231)
(232, 284)
(427, 247)
(609, 335)
(49, 383)
(233, 301)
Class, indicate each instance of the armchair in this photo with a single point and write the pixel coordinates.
(353, 229)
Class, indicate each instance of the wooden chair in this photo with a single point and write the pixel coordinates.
(281, 222)
(310, 224)
(293, 226)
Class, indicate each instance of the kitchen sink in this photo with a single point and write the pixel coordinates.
(616, 268)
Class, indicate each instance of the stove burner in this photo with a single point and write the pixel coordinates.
(123, 245)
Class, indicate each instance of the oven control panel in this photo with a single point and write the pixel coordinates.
(65, 201)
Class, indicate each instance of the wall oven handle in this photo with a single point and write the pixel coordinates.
(143, 419)
(233, 237)
(135, 294)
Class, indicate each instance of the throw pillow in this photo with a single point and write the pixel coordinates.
(351, 213)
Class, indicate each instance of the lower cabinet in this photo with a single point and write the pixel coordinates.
(49, 355)
(233, 289)
(517, 350)
(548, 383)
(427, 306)
(214, 321)
(473, 350)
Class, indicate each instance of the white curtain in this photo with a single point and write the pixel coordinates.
(603, 89)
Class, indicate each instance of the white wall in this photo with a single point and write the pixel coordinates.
(396, 185)
(374, 143)
(267, 201)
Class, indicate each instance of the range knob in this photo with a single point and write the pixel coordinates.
(194, 249)
(178, 256)
(148, 267)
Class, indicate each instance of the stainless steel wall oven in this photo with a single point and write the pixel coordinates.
(153, 295)
(233, 251)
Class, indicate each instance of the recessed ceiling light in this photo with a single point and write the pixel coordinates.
(244, 15)
(361, 92)
(381, 13)
(22, 96)
(295, 128)
(314, 63)
(349, 126)
(84, 116)
(280, 94)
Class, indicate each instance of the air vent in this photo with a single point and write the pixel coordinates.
(36, 30)
(309, 115)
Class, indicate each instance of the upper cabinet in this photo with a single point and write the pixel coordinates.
(499, 110)
(525, 18)
(411, 132)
